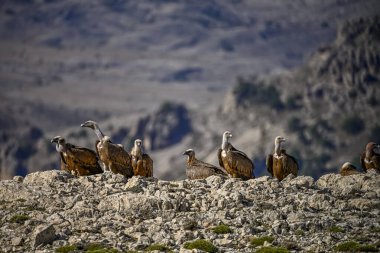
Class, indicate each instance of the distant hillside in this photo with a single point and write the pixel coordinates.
(117, 61)
(328, 109)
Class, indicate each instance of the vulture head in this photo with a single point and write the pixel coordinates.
(106, 138)
(190, 153)
(372, 147)
(227, 135)
(138, 143)
(90, 124)
(279, 139)
(58, 140)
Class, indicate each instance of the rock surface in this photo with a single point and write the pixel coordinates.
(51, 209)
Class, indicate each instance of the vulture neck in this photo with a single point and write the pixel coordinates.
(61, 148)
(190, 159)
(224, 143)
(368, 153)
(277, 148)
(98, 132)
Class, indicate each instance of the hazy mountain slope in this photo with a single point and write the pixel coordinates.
(328, 109)
(64, 62)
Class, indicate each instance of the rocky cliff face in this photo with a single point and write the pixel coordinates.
(327, 108)
(51, 210)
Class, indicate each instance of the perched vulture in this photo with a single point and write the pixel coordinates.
(370, 158)
(198, 170)
(348, 169)
(113, 156)
(235, 162)
(280, 164)
(142, 164)
(57, 140)
(78, 161)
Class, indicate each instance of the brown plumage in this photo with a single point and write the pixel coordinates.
(370, 158)
(142, 164)
(113, 156)
(348, 169)
(235, 162)
(78, 161)
(281, 164)
(197, 169)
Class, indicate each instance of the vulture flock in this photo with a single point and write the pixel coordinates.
(111, 157)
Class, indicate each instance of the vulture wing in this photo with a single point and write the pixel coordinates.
(120, 160)
(290, 165)
(362, 162)
(147, 165)
(241, 165)
(269, 164)
(220, 158)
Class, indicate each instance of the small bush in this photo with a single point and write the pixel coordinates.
(336, 229)
(374, 230)
(300, 232)
(260, 240)
(201, 245)
(222, 229)
(98, 248)
(159, 247)
(353, 125)
(66, 249)
(19, 218)
(368, 248)
(21, 200)
(272, 250)
(352, 246)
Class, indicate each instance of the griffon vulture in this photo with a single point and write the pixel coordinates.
(235, 162)
(198, 170)
(370, 158)
(280, 164)
(142, 164)
(113, 156)
(78, 161)
(348, 169)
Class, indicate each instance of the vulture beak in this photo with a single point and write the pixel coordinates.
(184, 153)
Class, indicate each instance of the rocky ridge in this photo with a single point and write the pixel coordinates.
(47, 210)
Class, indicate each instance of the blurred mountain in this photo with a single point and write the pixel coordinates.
(328, 108)
(117, 61)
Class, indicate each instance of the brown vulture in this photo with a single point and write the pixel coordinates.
(78, 161)
(113, 156)
(235, 162)
(348, 169)
(281, 164)
(198, 170)
(142, 164)
(370, 158)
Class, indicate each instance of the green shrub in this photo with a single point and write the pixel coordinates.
(19, 218)
(222, 229)
(368, 248)
(98, 248)
(353, 125)
(202, 245)
(352, 246)
(272, 250)
(159, 247)
(336, 229)
(66, 249)
(260, 240)
(300, 232)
